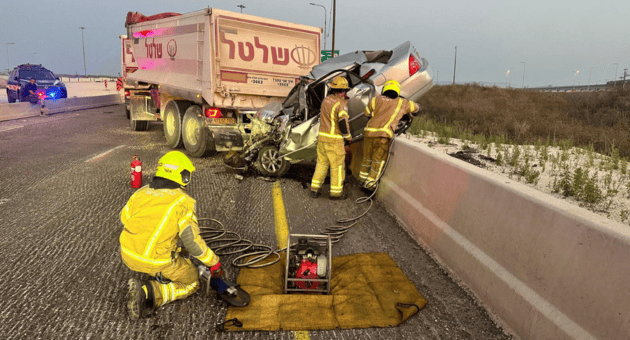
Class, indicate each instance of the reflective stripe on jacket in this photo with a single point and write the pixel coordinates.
(386, 113)
(334, 111)
(154, 220)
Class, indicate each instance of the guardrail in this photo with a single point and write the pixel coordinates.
(546, 268)
(578, 88)
(24, 110)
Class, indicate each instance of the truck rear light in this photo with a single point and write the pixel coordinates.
(213, 112)
(414, 65)
(127, 94)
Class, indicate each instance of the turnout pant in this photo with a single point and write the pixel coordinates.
(184, 281)
(375, 150)
(333, 156)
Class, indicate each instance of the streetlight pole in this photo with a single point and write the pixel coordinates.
(617, 66)
(510, 73)
(334, 20)
(589, 78)
(507, 73)
(455, 65)
(83, 41)
(322, 6)
(523, 86)
(241, 7)
(574, 76)
(8, 65)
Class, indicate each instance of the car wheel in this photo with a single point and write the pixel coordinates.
(195, 135)
(139, 125)
(172, 117)
(10, 99)
(269, 164)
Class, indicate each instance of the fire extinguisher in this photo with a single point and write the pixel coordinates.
(136, 172)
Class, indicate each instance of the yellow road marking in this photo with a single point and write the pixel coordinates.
(282, 233)
(280, 216)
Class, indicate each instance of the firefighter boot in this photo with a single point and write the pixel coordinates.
(343, 196)
(315, 194)
(140, 301)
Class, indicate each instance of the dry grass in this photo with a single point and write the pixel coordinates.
(598, 118)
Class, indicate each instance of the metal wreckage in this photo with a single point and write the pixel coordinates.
(286, 133)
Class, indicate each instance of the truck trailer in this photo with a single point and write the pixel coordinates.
(202, 73)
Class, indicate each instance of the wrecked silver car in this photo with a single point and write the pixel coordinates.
(286, 133)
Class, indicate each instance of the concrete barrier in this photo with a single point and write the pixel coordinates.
(546, 268)
(18, 110)
(25, 110)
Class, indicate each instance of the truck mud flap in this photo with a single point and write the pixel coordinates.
(228, 139)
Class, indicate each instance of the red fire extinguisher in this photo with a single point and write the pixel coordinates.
(136, 172)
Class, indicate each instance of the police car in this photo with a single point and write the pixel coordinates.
(44, 79)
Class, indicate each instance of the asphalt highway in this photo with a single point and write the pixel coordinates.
(64, 179)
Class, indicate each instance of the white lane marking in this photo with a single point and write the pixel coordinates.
(101, 155)
(11, 128)
(568, 326)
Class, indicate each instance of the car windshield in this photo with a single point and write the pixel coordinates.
(37, 74)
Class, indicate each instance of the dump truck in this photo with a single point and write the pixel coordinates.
(204, 73)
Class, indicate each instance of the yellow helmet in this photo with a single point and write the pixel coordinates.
(175, 166)
(340, 83)
(391, 85)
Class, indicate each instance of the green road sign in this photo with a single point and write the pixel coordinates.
(327, 54)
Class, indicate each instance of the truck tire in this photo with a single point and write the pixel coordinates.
(269, 164)
(172, 117)
(139, 125)
(127, 112)
(196, 137)
(10, 98)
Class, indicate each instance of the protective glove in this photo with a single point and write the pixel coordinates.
(216, 271)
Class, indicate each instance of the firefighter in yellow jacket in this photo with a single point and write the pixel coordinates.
(385, 111)
(333, 130)
(154, 219)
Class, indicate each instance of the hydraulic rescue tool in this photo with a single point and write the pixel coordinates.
(308, 264)
(227, 291)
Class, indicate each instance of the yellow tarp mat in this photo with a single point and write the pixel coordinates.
(365, 291)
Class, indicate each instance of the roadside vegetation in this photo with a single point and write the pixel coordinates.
(573, 145)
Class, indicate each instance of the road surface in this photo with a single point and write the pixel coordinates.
(65, 179)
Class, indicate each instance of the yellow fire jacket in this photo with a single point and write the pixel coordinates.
(385, 114)
(333, 113)
(154, 220)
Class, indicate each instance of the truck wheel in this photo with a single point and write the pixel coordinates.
(196, 137)
(128, 112)
(10, 99)
(269, 164)
(139, 125)
(172, 117)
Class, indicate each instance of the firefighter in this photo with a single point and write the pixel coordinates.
(384, 111)
(333, 130)
(156, 217)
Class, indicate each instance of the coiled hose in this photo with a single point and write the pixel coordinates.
(252, 255)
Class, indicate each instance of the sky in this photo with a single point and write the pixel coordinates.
(554, 38)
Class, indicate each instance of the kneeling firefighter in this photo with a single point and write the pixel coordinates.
(385, 111)
(156, 217)
(333, 130)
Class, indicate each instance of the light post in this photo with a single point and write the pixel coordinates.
(334, 21)
(241, 7)
(322, 6)
(523, 86)
(510, 73)
(589, 78)
(507, 73)
(83, 41)
(617, 66)
(574, 76)
(455, 65)
(8, 65)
